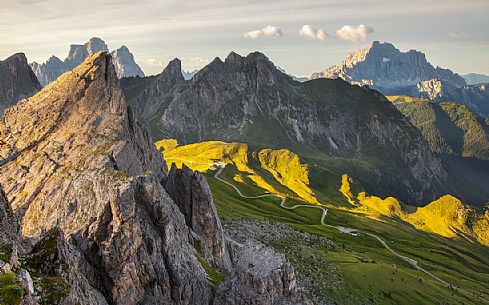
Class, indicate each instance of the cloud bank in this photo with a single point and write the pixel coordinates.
(354, 33)
(268, 31)
(312, 33)
(455, 34)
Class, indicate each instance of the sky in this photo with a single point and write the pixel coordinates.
(301, 37)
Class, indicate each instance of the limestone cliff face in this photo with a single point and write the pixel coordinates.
(248, 100)
(123, 61)
(17, 81)
(381, 65)
(73, 157)
(392, 72)
(190, 191)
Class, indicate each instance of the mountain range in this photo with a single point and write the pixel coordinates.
(248, 100)
(123, 60)
(383, 67)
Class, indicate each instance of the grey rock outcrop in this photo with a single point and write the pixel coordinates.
(154, 93)
(9, 227)
(49, 71)
(476, 97)
(260, 277)
(382, 66)
(124, 63)
(17, 81)
(190, 191)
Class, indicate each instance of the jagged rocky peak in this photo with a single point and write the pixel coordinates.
(234, 58)
(383, 66)
(144, 94)
(95, 45)
(125, 65)
(17, 80)
(54, 67)
(174, 70)
(76, 159)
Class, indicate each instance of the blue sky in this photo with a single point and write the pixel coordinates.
(453, 34)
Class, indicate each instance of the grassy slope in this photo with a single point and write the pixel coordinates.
(367, 269)
(449, 128)
(368, 272)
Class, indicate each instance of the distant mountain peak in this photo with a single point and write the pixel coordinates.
(383, 66)
(123, 61)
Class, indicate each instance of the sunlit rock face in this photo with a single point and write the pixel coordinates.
(123, 61)
(17, 81)
(382, 66)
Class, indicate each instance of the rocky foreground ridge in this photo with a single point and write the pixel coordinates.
(85, 187)
(17, 81)
(123, 60)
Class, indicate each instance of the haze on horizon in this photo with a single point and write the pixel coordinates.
(300, 37)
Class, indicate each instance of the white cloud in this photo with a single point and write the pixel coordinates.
(192, 63)
(153, 62)
(312, 33)
(354, 33)
(455, 34)
(268, 31)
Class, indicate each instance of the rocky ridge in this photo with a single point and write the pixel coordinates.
(123, 61)
(17, 81)
(76, 164)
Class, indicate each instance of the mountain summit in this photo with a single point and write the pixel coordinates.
(383, 66)
(123, 61)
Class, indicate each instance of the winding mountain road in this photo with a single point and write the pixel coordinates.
(412, 262)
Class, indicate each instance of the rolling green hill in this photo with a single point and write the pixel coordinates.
(449, 128)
